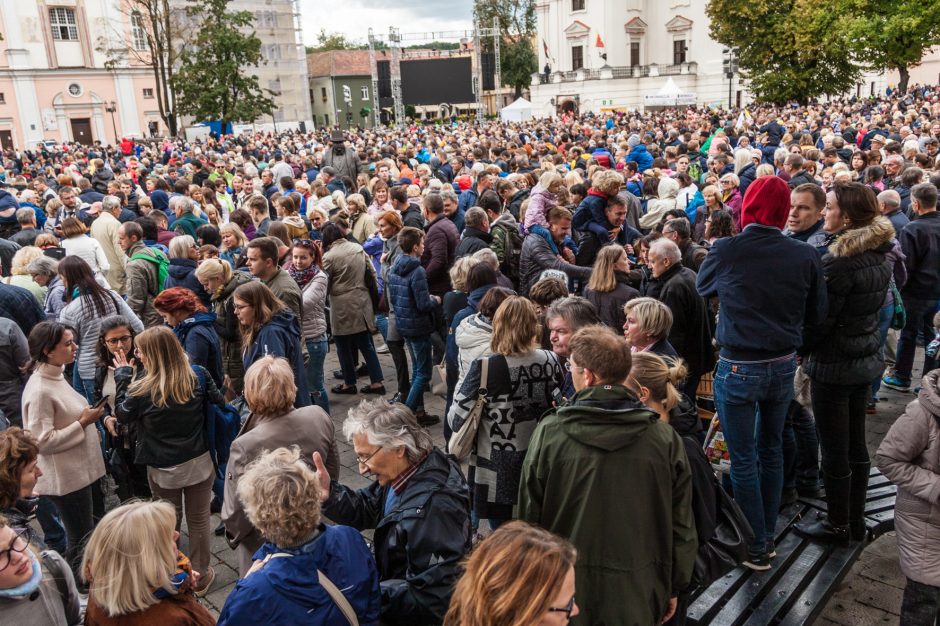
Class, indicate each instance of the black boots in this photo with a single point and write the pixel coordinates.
(834, 526)
(858, 496)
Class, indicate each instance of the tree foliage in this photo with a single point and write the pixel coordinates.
(166, 34)
(333, 41)
(787, 49)
(891, 35)
(213, 82)
(517, 25)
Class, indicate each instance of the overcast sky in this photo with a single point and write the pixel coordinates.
(354, 17)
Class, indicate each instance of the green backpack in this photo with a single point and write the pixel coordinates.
(163, 267)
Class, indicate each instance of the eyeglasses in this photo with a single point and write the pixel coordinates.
(567, 609)
(118, 340)
(20, 544)
(365, 461)
(239, 307)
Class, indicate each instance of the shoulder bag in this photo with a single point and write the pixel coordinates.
(341, 602)
(462, 442)
(728, 546)
(899, 315)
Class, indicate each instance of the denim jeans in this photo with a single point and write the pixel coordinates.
(921, 605)
(800, 448)
(752, 401)
(884, 324)
(381, 322)
(420, 349)
(919, 319)
(346, 347)
(53, 533)
(317, 351)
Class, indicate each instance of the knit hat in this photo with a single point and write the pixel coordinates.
(464, 182)
(633, 141)
(766, 202)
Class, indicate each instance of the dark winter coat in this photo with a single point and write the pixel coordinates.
(920, 241)
(100, 180)
(610, 303)
(746, 176)
(800, 178)
(169, 435)
(691, 334)
(281, 337)
(845, 348)
(537, 256)
(409, 297)
(420, 538)
(472, 241)
(182, 273)
(440, 243)
(201, 342)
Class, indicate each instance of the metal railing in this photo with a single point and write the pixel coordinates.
(637, 71)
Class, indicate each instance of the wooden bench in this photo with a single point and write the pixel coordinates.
(805, 573)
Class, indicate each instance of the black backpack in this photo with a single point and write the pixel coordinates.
(513, 248)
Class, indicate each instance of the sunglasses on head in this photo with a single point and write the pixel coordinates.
(304, 243)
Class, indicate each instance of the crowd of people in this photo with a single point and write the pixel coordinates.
(567, 286)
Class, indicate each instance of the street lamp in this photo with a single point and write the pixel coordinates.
(730, 66)
(111, 108)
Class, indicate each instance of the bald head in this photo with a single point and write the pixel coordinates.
(889, 201)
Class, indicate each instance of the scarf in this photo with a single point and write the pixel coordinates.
(182, 580)
(302, 277)
(30, 586)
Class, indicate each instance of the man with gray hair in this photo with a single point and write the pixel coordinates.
(186, 221)
(476, 233)
(889, 201)
(105, 230)
(564, 317)
(26, 218)
(418, 506)
(673, 284)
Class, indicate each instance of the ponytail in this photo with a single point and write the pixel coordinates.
(661, 376)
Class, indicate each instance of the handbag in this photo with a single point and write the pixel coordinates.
(899, 315)
(727, 548)
(463, 441)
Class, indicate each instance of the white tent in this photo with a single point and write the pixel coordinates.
(518, 111)
(669, 95)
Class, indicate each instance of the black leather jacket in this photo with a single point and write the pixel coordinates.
(170, 435)
(419, 542)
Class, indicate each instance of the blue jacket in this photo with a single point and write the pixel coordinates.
(747, 176)
(41, 215)
(182, 273)
(591, 216)
(642, 157)
(281, 337)
(201, 343)
(286, 590)
(409, 297)
(770, 287)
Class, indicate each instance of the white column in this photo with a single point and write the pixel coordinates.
(28, 104)
(97, 115)
(127, 105)
(65, 128)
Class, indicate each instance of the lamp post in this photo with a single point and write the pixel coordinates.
(111, 108)
(730, 66)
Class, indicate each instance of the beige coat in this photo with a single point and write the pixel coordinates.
(350, 305)
(69, 456)
(910, 456)
(105, 231)
(308, 427)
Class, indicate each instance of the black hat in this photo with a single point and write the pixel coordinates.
(337, 136)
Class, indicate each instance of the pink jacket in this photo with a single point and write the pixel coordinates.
(540, 202)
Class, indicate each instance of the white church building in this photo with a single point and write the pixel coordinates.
(604, 55)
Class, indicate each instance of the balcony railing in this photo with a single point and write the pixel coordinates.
(607, 72)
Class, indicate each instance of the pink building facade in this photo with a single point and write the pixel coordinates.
(53, 81)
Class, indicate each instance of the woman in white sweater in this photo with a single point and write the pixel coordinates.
(87, 303)
(70, 455)
(77, 243)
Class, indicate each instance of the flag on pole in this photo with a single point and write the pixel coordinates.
(600, 42)
(547, 53)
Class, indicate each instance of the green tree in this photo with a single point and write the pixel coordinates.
(517, 26)
(332, 41)
(891, 35)
(787, 49)
(160, 38)
(213, 82)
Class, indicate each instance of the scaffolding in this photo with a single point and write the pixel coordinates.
(395, 43)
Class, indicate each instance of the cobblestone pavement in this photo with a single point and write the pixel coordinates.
(870, 593)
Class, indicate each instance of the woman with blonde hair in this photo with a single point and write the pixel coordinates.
(647, 326)
(20, 276)
(233, 243)
(362, 226)
(521, 575)
(731, 196)
(609, 287)
(135, 572)
(301, 557)
(656, 380)
(168, 405)
(519, 384)
(220, 282)
(273, 423)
